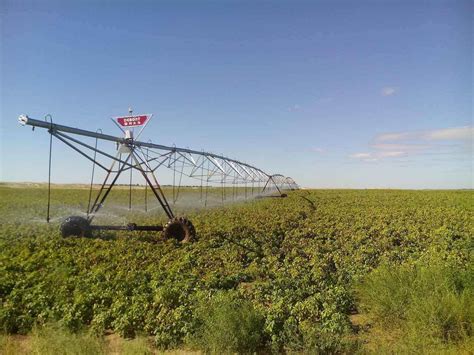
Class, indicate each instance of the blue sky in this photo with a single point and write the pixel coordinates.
(342, 94)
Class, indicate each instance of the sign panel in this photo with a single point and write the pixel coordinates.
(132, 121)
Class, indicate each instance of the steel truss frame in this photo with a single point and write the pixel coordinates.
(146, 157)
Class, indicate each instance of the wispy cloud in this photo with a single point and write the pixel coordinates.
(399, 146)
(377, 155)
(388, 91)
(446, 134)
(450, 134)
(385, 137)
(295, 107)
(318, 150)
(360, 155)
(452, 140)
(390, 154)
(323, 100)
(309, 106)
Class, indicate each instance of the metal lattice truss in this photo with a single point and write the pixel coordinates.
(208, 169)
(211, 168)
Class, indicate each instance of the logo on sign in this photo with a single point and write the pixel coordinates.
(132, 121)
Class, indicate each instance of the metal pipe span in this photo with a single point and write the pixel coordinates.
(25, 120)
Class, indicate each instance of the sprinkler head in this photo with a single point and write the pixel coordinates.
(23, 119)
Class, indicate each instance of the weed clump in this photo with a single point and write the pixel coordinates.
(228, 324)
(52, 340)
(430, 305)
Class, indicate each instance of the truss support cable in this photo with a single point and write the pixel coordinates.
(97, 205)
(146, 184)
(92, 177)
(161, 199)
(179, 185)
(263, 190)
(202, 176)
(100, 204)
(207, 181)
(63, 137)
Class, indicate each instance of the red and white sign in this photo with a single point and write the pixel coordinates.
(132, 121)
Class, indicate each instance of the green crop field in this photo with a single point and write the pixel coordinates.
(321, 271)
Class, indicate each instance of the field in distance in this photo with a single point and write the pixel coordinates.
(321, 271)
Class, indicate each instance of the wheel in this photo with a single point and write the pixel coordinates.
(76, 226)
(180, 229)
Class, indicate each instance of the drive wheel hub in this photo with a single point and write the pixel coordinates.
(76, 226)
(180, 229)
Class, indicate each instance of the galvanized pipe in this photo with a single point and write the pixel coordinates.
(25, 120)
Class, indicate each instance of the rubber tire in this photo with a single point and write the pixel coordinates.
(180, 229)
(76, 226)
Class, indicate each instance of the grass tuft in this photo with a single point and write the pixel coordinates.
(54, 340)
(137, 346)
(430, 306)
(229, 325)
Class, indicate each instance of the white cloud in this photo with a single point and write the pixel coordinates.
(399, 146)
(376, 156)
(360, 155)
(318, 150)
(390, 154)
(388, 91)
(295, 107)
(445, 134)
(394, 136)
(454, 133)
(433, 142)
(324, 100)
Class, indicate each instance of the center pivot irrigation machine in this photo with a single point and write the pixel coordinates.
(209, 169)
